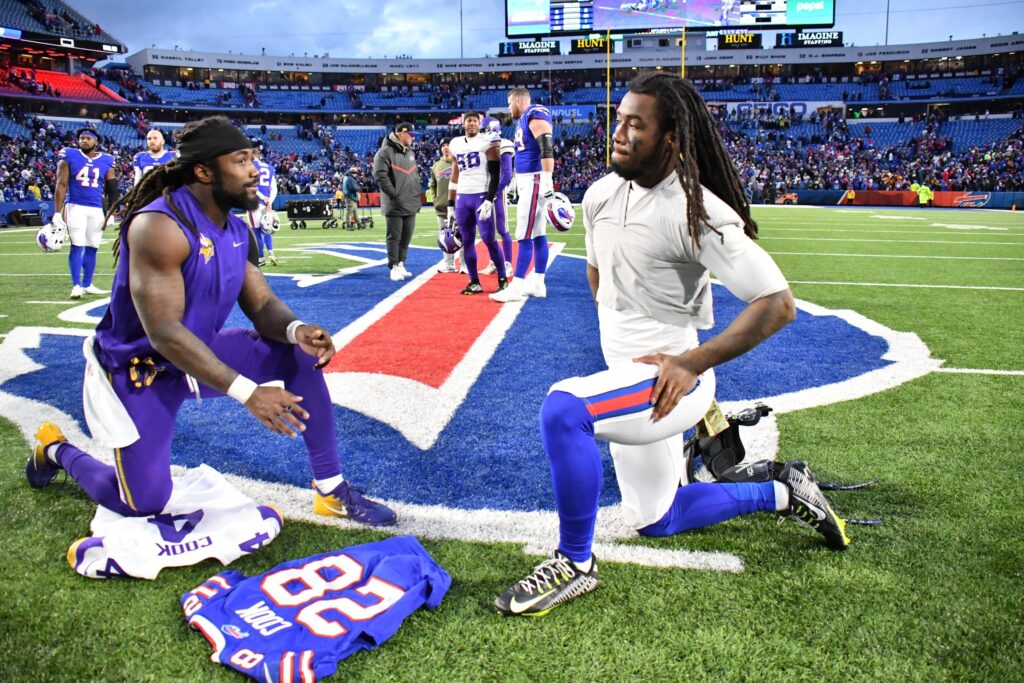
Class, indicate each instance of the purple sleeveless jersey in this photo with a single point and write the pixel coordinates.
(213, 273)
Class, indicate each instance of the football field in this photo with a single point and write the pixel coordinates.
(936, 593)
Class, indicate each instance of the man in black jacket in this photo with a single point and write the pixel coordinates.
(394, 168)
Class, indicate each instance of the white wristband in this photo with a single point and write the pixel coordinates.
(453, 187)
(547, 185)
(241, 389)
(290, 332)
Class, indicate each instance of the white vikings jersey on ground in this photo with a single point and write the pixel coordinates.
(205, 517)
(471, 156)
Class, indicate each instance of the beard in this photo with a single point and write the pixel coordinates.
(232, 200)
(627, 173)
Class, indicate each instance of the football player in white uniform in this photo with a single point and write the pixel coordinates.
(471, 195)
(672, 211)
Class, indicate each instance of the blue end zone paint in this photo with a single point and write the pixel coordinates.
(490, 454)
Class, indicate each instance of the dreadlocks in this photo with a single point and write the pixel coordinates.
(700, 154)
(162, 180)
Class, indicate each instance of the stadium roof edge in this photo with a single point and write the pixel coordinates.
(648, 58)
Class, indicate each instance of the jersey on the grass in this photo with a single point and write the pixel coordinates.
(297, 621)
(145, 161)
(85, 176)
(205, 517)
(527, 148)
(471, 156)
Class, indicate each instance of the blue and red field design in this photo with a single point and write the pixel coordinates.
(437, 395)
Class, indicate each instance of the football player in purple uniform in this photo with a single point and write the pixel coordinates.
(184, 262)
(506, 153)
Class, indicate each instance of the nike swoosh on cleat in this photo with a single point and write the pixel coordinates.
(517, 607)
(340, 510)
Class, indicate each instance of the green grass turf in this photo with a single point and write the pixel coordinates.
(935, 594)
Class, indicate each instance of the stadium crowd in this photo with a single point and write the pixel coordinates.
(773, 153)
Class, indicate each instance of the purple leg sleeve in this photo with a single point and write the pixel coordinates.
(465, 217)
(263, 360)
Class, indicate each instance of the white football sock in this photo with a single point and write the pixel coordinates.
(584, 566)
(781, 496)
(51, 452)
(327, 485)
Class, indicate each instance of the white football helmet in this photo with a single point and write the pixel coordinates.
(270, 222)
(51, 238)
(561, 213)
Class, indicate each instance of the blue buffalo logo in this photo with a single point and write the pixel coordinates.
(437, 395)
(972, 200)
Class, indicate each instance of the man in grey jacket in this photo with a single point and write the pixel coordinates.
(394, 168)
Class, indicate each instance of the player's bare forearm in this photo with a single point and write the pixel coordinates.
(759, 320)
(547, 165)
(269, 315)
(594, 279)
(60, 191)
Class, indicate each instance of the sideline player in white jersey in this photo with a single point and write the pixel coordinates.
(84, 174)
(471, 195)
(534, 166)
(154, 155)
(672, 211)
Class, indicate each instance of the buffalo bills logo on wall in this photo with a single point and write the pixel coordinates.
(972, 200)
(437, 395)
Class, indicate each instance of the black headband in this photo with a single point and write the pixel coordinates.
(212, 141)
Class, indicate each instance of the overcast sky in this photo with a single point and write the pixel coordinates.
(432, 28)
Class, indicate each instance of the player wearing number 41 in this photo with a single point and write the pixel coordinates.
(183, 262)
(83, 174)
(672, 211)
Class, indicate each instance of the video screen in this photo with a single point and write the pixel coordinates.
(573, 17)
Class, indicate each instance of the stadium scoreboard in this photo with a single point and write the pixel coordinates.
(537, 18)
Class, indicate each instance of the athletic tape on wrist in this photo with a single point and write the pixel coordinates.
(547, 186)
(290, 332)
(242, 389)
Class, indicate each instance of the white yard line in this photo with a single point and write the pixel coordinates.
(981, 371)
(54, 303)
(896, 284)
(955, 258)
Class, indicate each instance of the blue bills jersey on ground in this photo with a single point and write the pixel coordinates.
(527, 150)
(297, 621)
(85, 176)
(144, 161)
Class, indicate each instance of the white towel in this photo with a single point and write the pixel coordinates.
(106, 416)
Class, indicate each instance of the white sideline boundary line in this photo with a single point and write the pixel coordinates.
(857, 239)
(919, 256)
(981, 371)
(896, 284)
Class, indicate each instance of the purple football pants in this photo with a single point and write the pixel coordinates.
(465, 216)
(143, 469)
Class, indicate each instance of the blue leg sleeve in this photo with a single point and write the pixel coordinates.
(75, 256)
(567, 429)
(88, 265)
(540, 254)
(524, 258)
(702, 504)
